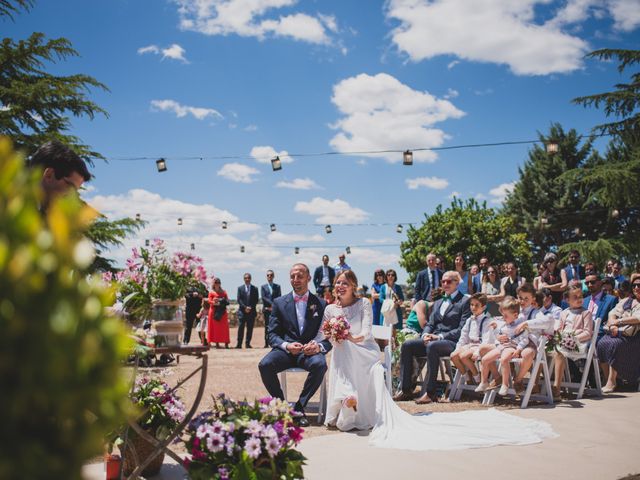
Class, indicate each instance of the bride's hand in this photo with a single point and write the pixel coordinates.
(356, 339)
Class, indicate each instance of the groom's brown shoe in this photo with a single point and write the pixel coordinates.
(426, 398)
(402, 397)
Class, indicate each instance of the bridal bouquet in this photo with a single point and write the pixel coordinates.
(336, 329)
(242, 440)
(568, 342)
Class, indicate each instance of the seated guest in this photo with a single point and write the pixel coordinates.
(624, 290)
(476, 331)
(509, 344)
(608, 286)
(538, 278)
(418, 316)
(616, 273)
(620, 354)
(598, 302)
(575, 321)
(548, 307)
(438, 339)
(510, 283)
(327, 295)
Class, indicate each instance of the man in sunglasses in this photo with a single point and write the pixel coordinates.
(62, 171)
(598, 302)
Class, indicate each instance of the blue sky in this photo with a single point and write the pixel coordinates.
(255, 78)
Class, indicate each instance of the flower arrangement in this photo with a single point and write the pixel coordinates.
(244, 440)
(568, 341)
(150, 274)
(336, 329)
(163, 408)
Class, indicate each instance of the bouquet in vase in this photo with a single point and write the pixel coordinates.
(242, 440)
(336, 329)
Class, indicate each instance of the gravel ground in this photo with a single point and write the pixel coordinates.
(235, 372)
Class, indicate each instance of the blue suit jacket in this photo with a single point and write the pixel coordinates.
(245, 300)
(423, 284)
(476, 282)
(317, 276)
(450, 324)
(283, 323)
(267, 296)
(605, 305)
(569, 271)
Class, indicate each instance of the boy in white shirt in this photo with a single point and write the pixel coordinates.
(477, 330)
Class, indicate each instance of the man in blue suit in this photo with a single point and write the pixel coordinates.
(296, 339)
(438, 339)
(573, 270)
(598, 302)
(323, 276)
(269, 292)
(427, 280)
(247, 303)
(476, 281)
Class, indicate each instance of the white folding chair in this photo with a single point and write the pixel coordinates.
(385, 332)
(591, 361)
(460, 385)
(445, 366)
(545, 394)
(322, 404)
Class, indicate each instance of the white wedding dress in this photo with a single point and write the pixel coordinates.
(356, 370)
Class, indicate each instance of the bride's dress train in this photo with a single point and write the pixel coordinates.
(355, 370)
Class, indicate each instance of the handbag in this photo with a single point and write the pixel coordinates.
(626, 330)
(220, 309)
(388, 309)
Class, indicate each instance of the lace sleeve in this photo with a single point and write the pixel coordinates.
(367, 317)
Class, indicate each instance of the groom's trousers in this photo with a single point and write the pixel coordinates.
(277, 360)
(433, 351)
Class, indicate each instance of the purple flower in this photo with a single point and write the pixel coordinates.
(265, 400)
(254, 428)
(224, 473)
(273, 446)
(215, 443)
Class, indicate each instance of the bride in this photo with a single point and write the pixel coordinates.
(358, 398)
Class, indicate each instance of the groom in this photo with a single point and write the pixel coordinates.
(294, 334)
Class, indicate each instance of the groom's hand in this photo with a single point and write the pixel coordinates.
(295, 348)
(311, 348)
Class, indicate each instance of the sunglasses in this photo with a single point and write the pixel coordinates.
(390, 275)
(491, 272)
(380, 274)
(447, 281)
(590, 282)
(635, 285)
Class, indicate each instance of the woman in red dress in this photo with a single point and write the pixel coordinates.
(218, 320)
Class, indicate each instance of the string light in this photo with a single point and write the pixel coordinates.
(138, 217)
(348, 250)
(327, 229)
(399, 228)
(272, 227)
(552, 147)
(161, 165)
(179, 221)
(224, 225)
(241, 248)
(193, 246)
(407, 157)
(296, 250)
(276, 164)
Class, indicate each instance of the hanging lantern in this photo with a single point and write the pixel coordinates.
(296, 250)
(224, 225)
(276, 164)
(328, 229)
(544, 220)
(147, 243)
(193, 246)
(179, 221)
(615, 214)
(407, 157)
(138, 217)
(399, 228)
(161, 165)
(273, 227)
(552, 147)
(348, 250)
(241, 248)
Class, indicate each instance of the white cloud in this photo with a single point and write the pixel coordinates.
(381, 113)
(298, 184)
(173, 51)
(181, 111)
(250, 128)
(249, 18)
(428, 182)
(280, 237)
(454, 194)
(499, 193)
(264, 154)
(374, 241)
(237, 172)
(450, 65)
(451, 93)
(331, 211)
(626, 14)
(502, 32)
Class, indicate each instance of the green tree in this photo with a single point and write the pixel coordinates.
(467, 227)
(35, 108)
(551, 208)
